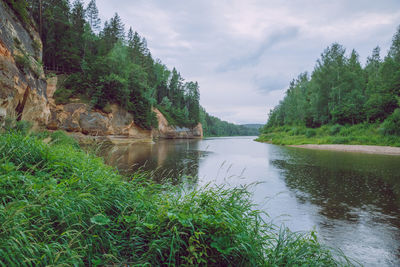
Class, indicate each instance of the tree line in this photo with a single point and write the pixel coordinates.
(213, 126)
(341, 91)
(107, 64)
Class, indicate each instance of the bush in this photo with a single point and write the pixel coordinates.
(62, 95)
(23, 62)
(391, 126)
(12, 125)
(107, 108)
(335, 129)
(294, 131)
(310, 133)
(61, 138)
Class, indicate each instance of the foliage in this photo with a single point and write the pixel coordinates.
(20, 8)
(340, 92)
(391, 126)
(22, 61)
(60, 137)
(310, 133)
(62, 95)
(335, 129)
(13, 125)
(359, 134)
(36, 48)
(213, 126)
(61, 206)
(109, 67)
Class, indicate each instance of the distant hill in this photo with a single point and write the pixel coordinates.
(252, 128)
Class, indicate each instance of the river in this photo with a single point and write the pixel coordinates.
(352, 200)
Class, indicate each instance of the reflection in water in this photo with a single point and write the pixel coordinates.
(353, 200)
(357, 196)
(175, 160)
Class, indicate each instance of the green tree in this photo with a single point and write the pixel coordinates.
(92, 15)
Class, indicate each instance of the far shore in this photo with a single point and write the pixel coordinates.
(383, 150)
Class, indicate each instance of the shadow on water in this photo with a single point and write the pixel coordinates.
(172, 160)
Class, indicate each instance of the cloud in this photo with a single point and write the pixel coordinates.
(269, 83)
(254, 57)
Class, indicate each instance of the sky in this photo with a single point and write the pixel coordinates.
(244, 53)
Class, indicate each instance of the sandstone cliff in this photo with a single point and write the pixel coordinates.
(171, 132)
(80, 118)
(22, 85)
(26, 95)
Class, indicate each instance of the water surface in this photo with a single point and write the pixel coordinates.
(351, 199)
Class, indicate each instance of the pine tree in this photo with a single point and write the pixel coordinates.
(78, 30)
(92, 15)
(112, 32)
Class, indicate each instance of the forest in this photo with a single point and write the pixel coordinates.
(106, 64)
(341, 92)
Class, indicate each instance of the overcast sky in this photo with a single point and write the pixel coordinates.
(244, 53)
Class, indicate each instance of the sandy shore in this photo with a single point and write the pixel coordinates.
(384, 150)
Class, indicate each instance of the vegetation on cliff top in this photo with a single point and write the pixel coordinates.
(109, 65)
(340, 93)
(62, 206)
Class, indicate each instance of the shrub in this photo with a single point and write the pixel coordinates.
(335, 129)
(294, 131)
(22, 61)
(391, 126)
(12, 125)
(60, 137)
(107, 108)
(310, 133)
(62, 95)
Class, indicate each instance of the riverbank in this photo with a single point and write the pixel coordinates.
(360, 134)
(62, 206)
(382, 150)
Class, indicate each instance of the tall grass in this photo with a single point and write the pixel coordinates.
(61, 206)
(359, 134)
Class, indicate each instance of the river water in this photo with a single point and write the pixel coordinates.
(352, 200)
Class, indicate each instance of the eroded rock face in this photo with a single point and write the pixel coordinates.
(79, 117)
(22, 86)
(171, 132)
(26, 95)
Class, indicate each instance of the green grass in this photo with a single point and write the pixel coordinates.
(62, 206)
(360, 134)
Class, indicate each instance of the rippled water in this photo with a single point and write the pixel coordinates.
(351, 199)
